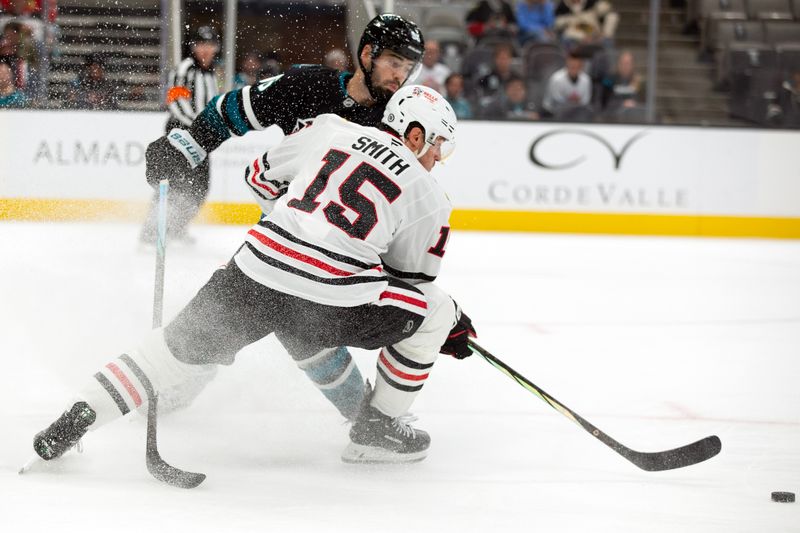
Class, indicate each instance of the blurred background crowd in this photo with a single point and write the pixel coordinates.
(719, 62)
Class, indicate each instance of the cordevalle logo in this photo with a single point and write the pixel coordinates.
(536, 155)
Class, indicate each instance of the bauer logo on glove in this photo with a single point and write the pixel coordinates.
(183, 141)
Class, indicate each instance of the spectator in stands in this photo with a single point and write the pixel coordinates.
(35, 39)
(15, 50)
(502, 70)
(336, 59)
(585, 22)
(21, 11)
(92, 89)
(454, 93)
(623, 87)
(512, 103)
(568, 88)
(432, 73)
(536, 20)
(491, 18)
(249, 70)
(10, 95)
(137, 93)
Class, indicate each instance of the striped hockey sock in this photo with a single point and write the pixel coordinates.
(337, 376)
(398, 382)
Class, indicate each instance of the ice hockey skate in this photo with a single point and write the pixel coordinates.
(65, 432)
(379, 438)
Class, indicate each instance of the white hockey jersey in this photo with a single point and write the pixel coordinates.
(346, 206)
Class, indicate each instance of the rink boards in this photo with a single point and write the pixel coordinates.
(650, 180)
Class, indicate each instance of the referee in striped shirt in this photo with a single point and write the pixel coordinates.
(190, 87)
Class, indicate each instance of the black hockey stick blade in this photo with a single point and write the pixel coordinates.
(688, 455)
(159, 468)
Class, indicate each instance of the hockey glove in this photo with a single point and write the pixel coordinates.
(456, 343)
(172, 156)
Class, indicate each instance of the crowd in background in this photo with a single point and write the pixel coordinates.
(497, 88)
(579, 76)
(488, 78)
(517, 60)
(551, 59)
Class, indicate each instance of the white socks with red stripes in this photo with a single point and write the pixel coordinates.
(124, 384)
(398, 382)
(403, 367)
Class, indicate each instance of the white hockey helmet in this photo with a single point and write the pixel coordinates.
(423, 105)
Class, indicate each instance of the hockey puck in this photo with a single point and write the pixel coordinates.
(783, 497)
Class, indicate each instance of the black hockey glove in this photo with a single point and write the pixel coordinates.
(456, 343)
(172, 157)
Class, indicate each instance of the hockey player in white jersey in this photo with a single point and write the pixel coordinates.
(354, 234)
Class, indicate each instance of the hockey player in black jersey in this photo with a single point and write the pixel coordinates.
(390, 52)
(346, 256)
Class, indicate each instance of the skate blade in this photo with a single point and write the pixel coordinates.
(28, 465)
(360, 454)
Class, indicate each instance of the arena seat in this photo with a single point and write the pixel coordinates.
(764, 8)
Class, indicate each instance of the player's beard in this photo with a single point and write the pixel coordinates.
(381, 94)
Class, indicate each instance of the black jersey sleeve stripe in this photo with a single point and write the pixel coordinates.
(400, 284)
(256, 191)
(350, 280)
(333, 255)
(407, 275)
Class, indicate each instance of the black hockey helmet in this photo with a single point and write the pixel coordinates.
(205, 34)
(391, 32)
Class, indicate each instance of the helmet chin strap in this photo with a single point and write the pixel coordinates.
(422, 151)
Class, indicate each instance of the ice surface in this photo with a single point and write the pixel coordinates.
(657, 341)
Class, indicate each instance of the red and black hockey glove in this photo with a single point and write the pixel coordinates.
(456, 343)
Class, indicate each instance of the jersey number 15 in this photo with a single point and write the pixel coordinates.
(349, 195)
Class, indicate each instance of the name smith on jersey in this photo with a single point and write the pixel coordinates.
(376, 150)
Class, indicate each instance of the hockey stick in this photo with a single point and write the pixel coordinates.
(651, 461)
(157, 467)
(161, 253)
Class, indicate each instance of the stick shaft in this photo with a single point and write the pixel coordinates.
(522, 380)
(161, 253)
(687, 455)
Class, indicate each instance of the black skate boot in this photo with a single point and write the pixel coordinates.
(379, 438)
(65, 432)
